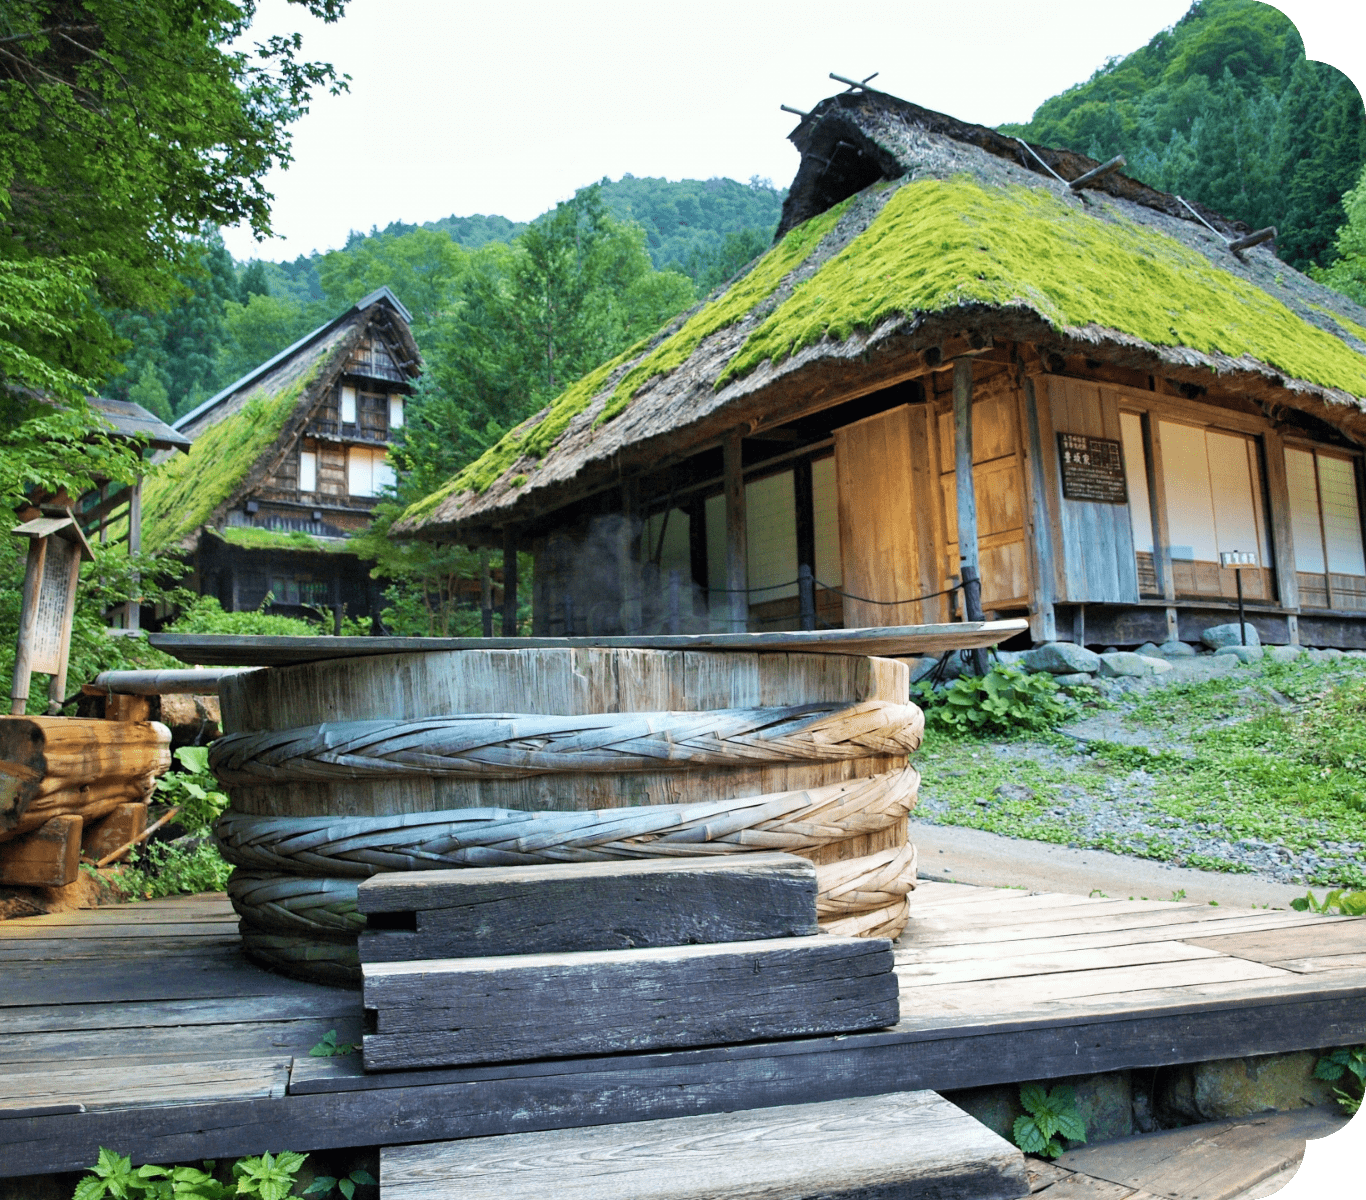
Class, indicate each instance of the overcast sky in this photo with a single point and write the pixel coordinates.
(457, 108)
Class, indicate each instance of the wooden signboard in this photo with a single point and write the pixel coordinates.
(1092, 469)
(56, 548)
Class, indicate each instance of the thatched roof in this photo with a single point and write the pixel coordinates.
(242, 433)
(905, 233)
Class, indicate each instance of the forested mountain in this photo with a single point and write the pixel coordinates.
(1225, 109)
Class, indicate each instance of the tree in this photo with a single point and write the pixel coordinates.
(1348, 272)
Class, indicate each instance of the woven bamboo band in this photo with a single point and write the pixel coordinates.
(512, 746)
(850, 893)
(473, 837)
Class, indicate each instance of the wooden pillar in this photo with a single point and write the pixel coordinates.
(509, 581)
(1157, 506)
(804, 501)
(1043, 618)
(133, 611)
(28, 623)
(628, 558)
(1282, 537)
(737, 535)
(969, 569)
(485, 591)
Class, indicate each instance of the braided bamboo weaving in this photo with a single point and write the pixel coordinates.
(295, 886)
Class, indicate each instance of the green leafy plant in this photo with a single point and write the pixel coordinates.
(1348, 1064)
(1004, 700)
(325, 1185)
(1049, 1114)
(329, 1048)
(1339, 902)
(193, 789)
(265, 1176)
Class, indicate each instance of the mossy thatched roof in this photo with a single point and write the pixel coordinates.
(953, 231)
(243, 432)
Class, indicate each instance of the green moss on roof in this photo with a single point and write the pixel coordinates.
(1349, 327)
(181, 494)
(938, 244)
(727, 309)
(252, 538)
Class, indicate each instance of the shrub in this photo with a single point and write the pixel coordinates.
(1005, 700)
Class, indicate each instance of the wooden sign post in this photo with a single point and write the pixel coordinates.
(55, 552)
(1238, 561)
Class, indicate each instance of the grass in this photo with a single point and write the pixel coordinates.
(1272, 756)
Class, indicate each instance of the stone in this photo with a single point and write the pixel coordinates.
(1075, 680)
(921, 667)
(1284, 654)
(1111, 650)
(1239, 1087)
(1061, 658)
(996, 1107)
(1244, 654)
(1008, 658)
(1123, 662)
(1332, 654)
(1104, 1101)
(1354, 654)
(1014, 791)
(1218, 636)
(1176, 650)
(1149, 649)
(1156, 666)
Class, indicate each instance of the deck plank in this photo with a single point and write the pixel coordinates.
(149, 1086)
(1309, 940)
(1041, 963)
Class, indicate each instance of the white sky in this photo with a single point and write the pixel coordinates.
(465, 109)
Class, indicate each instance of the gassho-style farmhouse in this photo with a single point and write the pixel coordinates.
(1139, 384)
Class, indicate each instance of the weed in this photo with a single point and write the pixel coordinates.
(328, 1048)
(194, 790)
(325, 1185)
(1003, 701)
(1048, 1115)
(264, 1177)
(1341, 902)
(1348, 1064)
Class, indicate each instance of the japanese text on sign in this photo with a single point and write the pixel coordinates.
(1092, 469)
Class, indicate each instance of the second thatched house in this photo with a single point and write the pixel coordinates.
(963, 354)
(288, 462)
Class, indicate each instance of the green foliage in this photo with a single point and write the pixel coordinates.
(1048, 1115)
(1348, 273)
(251, 537)
(1225, 109)
(329, 1048)
(1348, 1062)
(169, 869)
(194, 790)
(264, 1177)
(939, 244)
(1340, 902)
(204, 614)
(1003, 701)
(325, 1185)
(124, 129)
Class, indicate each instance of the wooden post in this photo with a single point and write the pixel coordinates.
(1282, 535)
(628, 559)
(737, 534)
(485, 591)
(1040, 530)
(132, 618)
(28, 620)
(1157, 505)
(675, 602)
(697, 556)
(969, 570)
(509, 581)
(56, 549)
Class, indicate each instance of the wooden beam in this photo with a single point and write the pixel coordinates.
(48, 857)
(509, 581)
(1282, 535)
(133, 609)
(125, 824)
(1042, 618)
(737, 535)
(963, 481)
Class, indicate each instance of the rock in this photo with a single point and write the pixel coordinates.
(1111, 650)
(1149, 649)
(1105, 1103)
(192, 720)
(1176, 650)
(1218, 636)
(1244, 654)
(1014, 791)
(997, 1107)
(1156, 666)
(1312, 655)
(1008, 658)
(1075, 680)
(1284, 654)
(1354, 654)
(1332, 654)
(1121, 663)
(1239, 1087)
(921, 667)
(1061, 658)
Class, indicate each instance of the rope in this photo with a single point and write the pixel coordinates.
(361, 846)
(511, 746)
(913, 600)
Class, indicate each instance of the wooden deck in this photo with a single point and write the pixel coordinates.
(142, 1028)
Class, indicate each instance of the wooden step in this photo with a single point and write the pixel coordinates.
(902, 1144)
(586, 906)
(453, 1012)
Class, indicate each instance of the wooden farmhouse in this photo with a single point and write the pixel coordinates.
(1139, 386)
(288, 463)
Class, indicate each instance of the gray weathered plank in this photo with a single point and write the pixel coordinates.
(144, 1086)
(451, 1011)
(590, 906)
(320, 1002)
(904, 1144)
(1042, 963)
(1311, 939)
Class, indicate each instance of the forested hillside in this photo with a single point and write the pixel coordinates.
(1225, 109)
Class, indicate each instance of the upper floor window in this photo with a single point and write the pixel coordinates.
(367, 471)
(308, 470)
(348, 405)
(395, 411)
(373, 359)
